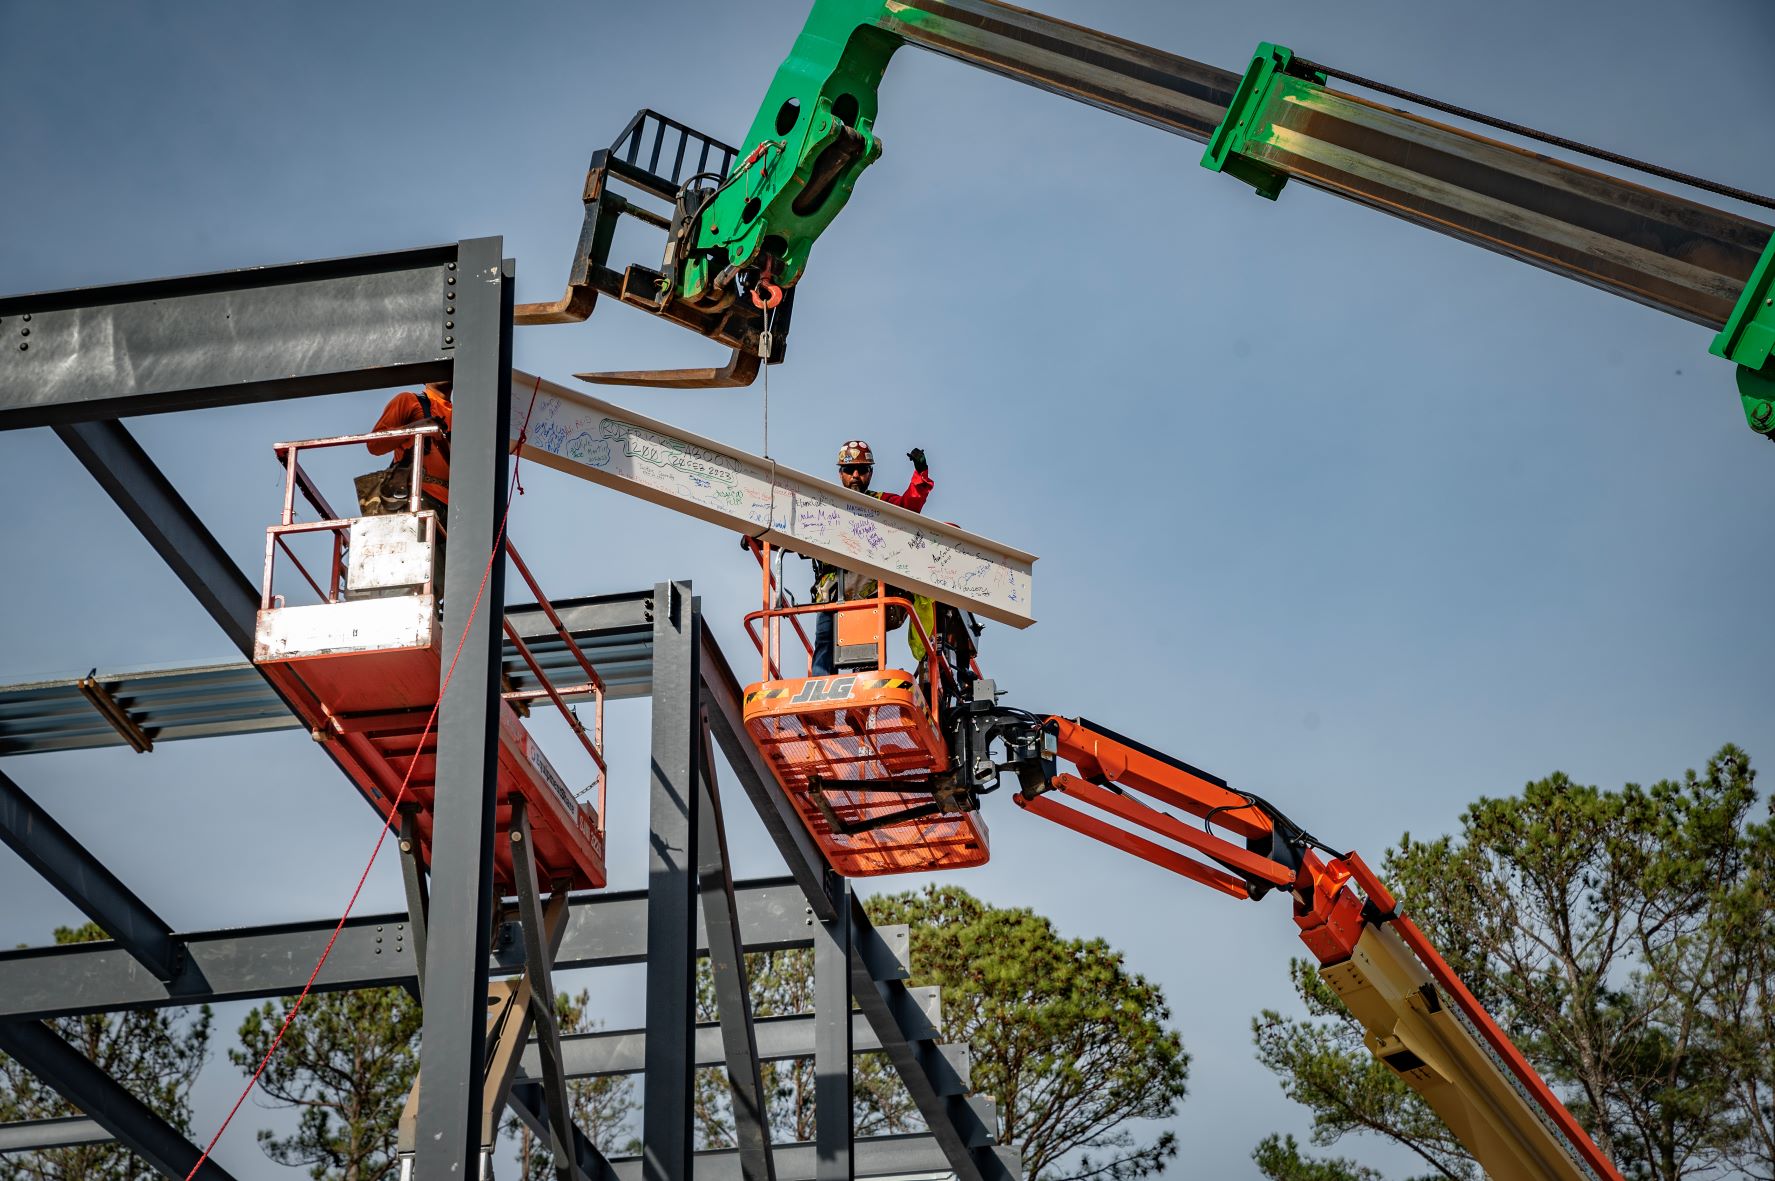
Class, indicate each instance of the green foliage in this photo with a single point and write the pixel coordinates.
(347, 1062)
(156, 1055)
(1068, 1042)
(1279, 1159)
(1622, 939)
(781, 984)
(603, 1108)
(1746, 997)
(1323, 1064)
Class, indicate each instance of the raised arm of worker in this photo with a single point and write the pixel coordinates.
(919, 490)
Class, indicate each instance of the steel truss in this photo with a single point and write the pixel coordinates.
(370, 322)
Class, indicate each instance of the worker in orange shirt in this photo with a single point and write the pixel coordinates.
(431, 404)
(389, 491)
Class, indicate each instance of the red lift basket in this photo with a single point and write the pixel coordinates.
(838, 744)
(360, 661)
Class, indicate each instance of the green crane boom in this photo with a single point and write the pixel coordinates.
(751, 229)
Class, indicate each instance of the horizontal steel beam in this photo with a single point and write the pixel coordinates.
(40, 1050)
(207, 701)
(40, 1135)
(255, 962)
(714, 482)
(221, 339)
(875, 1156)
(619, 1051)
(1665, 251)
(66, 864)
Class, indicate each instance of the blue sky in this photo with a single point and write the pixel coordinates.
(1362, 518)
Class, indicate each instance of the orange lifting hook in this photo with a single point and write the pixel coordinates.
(766, 295)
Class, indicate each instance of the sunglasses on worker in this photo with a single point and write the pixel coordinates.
(851, 469)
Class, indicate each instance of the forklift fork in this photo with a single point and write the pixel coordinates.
(670, 162)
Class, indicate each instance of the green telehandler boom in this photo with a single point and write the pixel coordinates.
(740, 233)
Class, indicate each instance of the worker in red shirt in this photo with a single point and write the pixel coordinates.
(389, 491)
(856, 467)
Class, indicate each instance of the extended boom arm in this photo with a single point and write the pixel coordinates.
(746, 227)
(1418, 1016)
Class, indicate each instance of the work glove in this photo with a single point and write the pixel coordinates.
(916, 455)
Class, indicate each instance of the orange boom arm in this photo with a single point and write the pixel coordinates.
(1419, 1018)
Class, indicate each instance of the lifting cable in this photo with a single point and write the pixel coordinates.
(765, 298)
(418, 750)
(1557, 141)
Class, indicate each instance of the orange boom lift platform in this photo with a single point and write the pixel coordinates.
(863, 755)
(359, 654)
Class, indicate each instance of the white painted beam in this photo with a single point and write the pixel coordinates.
(613, 446)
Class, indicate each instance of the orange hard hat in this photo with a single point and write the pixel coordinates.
(855, 451)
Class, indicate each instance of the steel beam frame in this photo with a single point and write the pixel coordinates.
(876, 1156)
(66, 864)
(721, 694)
(966, 1131)
(621, 1051)
(381, 320)
(373, 951)
(229, 338)
(43, 1052)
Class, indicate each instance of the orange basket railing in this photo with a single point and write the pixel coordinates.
(296, 479)
(593, 683)
(780, 606)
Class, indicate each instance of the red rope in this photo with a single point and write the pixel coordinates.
(381, 836)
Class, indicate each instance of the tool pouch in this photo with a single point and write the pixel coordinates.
(389, 490)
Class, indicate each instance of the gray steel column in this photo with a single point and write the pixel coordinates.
(727, 964)
(453, 1041)
(833, 1042)
(66, 864)
(671, 889)
(40, 1050)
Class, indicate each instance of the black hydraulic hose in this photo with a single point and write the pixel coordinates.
(1557, 141)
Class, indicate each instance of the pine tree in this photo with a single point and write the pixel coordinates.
(155, 1054)
(1068, 1043)
(1621, 939)
(347, 1062)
